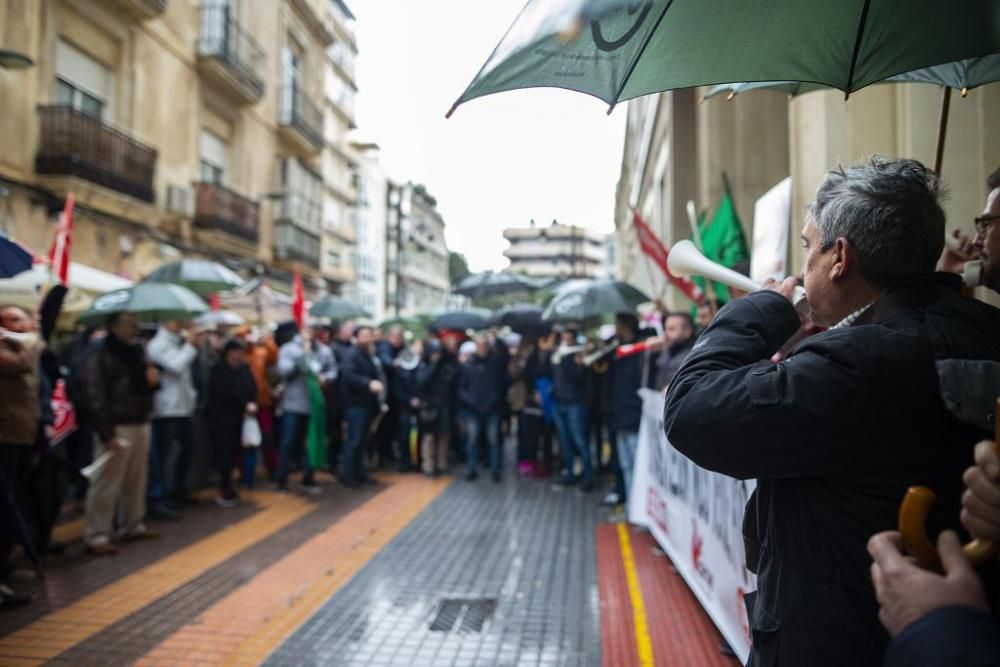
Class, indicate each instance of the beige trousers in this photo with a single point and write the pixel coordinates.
(122, 477)
(434, 452)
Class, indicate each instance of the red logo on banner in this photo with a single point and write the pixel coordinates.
(65, 417)
(697, 543)
(656, 508)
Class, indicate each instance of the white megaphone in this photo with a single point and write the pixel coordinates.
(686, 260)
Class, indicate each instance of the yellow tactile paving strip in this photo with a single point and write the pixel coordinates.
(244, 627)
(58, 631)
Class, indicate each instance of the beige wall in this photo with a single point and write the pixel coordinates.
(160, 99)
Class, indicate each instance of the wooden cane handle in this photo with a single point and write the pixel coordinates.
(913, 513)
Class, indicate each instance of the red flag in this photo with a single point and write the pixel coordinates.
(653, 247)
(59, 252)
(214, 302)
(298, 301)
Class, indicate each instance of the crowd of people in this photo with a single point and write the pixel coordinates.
(895, 382)
(159, 409)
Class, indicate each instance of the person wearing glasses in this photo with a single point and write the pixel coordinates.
(985, 245)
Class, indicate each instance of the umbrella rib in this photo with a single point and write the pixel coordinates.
(638, 55)
(857, 48)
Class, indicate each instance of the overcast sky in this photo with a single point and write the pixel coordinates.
(500, 160)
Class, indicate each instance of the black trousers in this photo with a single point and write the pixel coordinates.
(15, 471)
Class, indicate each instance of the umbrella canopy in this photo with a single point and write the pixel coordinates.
(337, 308)
(200, 276)
(219, 318)
(524, 318)
(620, 49)
(961, 75)
(580, 300)
(459, 320)
(150, 301)
(493, 283)
(14, 258)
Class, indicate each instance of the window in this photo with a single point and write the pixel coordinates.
(214, 157)
(82, 82)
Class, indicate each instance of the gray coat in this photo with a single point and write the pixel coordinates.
(293, 365)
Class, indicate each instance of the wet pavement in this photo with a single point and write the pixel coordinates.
(410, 572)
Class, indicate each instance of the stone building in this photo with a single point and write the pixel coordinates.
(678, 145)
(181, 127)
(416, 254)
(555, 251)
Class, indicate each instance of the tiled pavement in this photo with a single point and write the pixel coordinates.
(520, 544)
(412, 572)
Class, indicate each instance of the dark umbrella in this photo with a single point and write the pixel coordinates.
(492, 283)
(524, 318)
(337, 308)
(458, 320)
(14, 258)
(579, 300)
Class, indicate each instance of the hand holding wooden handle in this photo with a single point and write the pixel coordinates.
(913, 516)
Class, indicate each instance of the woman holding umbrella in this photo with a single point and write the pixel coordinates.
(231, 395)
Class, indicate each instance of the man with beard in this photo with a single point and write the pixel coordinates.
(985, 245)
(118, 387)
(839, 429)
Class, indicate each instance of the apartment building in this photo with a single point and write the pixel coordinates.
(555, 251)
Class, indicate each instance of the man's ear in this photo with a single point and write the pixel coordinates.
(841, 259)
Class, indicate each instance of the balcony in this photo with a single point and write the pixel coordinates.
(73, 144)
(228, 57)
(300, 120)
(217, 208)
(140, 10)
(295, 244)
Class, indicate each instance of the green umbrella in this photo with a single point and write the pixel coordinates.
(583, 300)
(202, 277)
(617, 50)
(337, 308)
(150, 301)
(494, 283)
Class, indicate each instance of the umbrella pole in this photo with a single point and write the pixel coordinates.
(942, 128)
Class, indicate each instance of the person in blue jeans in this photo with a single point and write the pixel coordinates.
(569, 390)
(482, 391)
(363, 393)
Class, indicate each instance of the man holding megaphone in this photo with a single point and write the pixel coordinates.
(837, 430)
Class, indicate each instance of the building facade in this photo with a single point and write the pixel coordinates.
(678, 147)
(370, 220)
(180, 127)
(339, 240)
(555, 251)
(416, 253)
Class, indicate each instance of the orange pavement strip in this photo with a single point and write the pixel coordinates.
(54, 633)
(251, 622)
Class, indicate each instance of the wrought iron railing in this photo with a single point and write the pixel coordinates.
(224, 38)
(73, 143)
(298, 111)
(219, 208)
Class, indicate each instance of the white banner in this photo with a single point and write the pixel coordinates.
(771, 219)
(696, 517)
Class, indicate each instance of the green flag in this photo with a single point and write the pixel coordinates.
(723, 242)
(316, 438)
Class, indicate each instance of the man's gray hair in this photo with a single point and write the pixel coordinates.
(889, 210)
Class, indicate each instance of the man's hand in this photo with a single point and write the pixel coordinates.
(114, 444)
(375, 387)
(957, 253)
(785, 288)
(251, 408)
(50, 431)
(152, 376)
(414, 402)
(981, 501)
(906, 593)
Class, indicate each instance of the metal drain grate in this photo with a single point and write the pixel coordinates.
(470, 614)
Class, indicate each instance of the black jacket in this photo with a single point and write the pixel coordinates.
(669, 361)
(627, 376)
(948, 637)
(483, 383)
(437, 389)
(229, 391)
(835, 434)
(569, 380)
(356, 374)
(113, 382)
